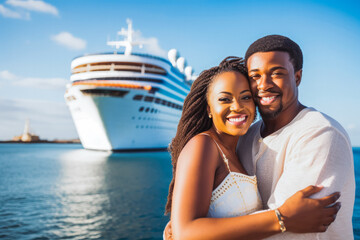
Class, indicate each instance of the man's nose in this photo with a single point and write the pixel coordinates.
(264, 83)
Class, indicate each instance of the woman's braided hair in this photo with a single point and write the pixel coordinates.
(194, 118)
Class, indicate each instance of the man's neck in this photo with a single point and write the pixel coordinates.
(271, 125)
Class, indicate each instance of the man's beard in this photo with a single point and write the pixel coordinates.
(270, 115)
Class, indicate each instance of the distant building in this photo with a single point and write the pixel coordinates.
(26, 136)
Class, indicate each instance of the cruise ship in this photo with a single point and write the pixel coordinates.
(123, 101)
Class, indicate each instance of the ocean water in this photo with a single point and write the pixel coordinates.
(61, 191)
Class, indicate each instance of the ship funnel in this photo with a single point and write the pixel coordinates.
(188, 72)
(173, 55)
(180, 63)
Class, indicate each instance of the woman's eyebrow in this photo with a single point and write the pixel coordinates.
(246, 90)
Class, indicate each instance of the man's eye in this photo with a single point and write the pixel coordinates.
(277, 73)
(254, 77)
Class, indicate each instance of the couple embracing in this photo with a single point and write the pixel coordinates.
(284, 177)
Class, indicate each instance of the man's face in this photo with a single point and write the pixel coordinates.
(273, 82)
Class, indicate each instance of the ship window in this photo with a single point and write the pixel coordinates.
(138, 97)
(173, 105)
(157, 100)
(149, 99)
(147, 109)
(152, 110)
(141, 109)
(163, 102)
(104, 92)
(169, 104)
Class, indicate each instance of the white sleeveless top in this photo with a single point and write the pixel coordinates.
(237, 194)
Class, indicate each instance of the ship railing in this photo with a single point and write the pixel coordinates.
(142, 69)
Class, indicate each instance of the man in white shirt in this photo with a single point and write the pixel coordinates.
(294, 146)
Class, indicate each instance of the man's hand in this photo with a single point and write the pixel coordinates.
(168, 232)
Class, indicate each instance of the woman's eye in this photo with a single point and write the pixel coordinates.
(247, 97)
(224, 99)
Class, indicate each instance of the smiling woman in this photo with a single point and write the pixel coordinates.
(230, 103)
(211, 194)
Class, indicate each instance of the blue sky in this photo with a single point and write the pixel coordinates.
(38, 40)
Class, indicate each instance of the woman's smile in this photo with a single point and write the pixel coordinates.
(237, 120)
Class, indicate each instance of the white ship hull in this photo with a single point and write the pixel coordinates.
(115, 123)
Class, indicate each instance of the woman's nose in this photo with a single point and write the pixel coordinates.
(235, 106)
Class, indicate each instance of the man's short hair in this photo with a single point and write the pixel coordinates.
(280, 43)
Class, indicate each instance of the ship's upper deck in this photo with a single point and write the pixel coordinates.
(117, 63)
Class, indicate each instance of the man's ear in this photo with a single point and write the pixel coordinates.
(298, 76)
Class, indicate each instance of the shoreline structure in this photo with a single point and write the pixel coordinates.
(28, 137)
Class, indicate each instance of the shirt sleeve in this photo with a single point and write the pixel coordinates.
(321, 156)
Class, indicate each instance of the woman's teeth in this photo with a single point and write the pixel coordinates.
(235, 120)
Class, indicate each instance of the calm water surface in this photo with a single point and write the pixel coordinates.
(61, 191)
(50, 191)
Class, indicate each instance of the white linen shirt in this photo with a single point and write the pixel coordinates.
(313, 149)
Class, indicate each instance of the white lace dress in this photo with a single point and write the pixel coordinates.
(237, 195)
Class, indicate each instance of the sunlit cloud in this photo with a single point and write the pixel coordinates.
(32, 82)
(8, 13)
(6, 75)
(68, 40)
(34, 5)
(43, 83)
(150, 45)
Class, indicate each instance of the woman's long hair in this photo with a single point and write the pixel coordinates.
(194, 118)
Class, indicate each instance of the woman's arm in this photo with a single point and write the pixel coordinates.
(195, 173)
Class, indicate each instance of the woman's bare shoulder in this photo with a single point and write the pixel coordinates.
(201, 149)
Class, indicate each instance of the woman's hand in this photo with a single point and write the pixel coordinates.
(302, 214)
